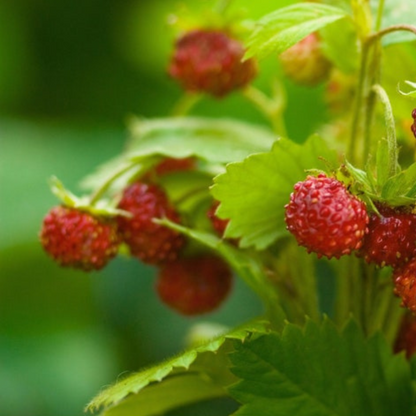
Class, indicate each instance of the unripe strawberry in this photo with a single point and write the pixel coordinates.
(304, 63)
(404, 279)
(150, 242)
(194, 285)
(325, 218)
(391, 237)
(78, 239)
(210, 61)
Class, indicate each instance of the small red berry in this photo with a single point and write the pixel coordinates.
(414, 114)
(391, 237)
(218, 224)
(78, 239)
(325, 218)
(150, 242)
(195, 285)
(404, 279)
(304, 63)
(210, 61)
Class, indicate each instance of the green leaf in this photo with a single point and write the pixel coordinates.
(401, 188)
(253, 192)
(396, 12)
(319, 371)
(204, 361)
(281, 29)
(173, 392)
(213, 140)
(247, 266)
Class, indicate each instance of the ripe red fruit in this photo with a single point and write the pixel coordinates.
(150, 242)
(404, 279)
(194, 285)
(210, 61)
(391, 238)
(78, 239)
(304, 63)
(325, 218)
(218, 224)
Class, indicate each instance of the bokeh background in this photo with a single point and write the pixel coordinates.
(71, 73)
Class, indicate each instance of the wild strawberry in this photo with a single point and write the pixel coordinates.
(404, 279)
(194, 285)
(218, 224)
(406, 336)
(78, 239)
(150, 242)
(391, 239)
(325, 218)
(210, 61)
(304, 63)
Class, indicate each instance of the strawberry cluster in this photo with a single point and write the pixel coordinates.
(82, 239)
(328, 220)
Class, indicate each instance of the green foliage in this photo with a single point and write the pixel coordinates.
(396, 190)
(396, 12)
(253, 192)
(205, 366)
(319, 371)
(281, 29)
(216, 141)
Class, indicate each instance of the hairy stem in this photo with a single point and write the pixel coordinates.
(390, 128)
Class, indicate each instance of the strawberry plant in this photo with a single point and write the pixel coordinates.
(204, 198)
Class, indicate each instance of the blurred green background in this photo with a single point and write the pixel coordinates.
(71, 72)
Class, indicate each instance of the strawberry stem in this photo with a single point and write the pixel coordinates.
(185, 104)
(390, 129)
(272, 108)
(98, 193)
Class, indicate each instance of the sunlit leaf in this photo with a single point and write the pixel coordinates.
(281, 29)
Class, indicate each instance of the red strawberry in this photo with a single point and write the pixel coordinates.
(404, 279)
(210, 61)
(218, 224)
(194, 285)
(325, 218)
(406, 336)
(79, 239)
(304, 63)
(391, 240)
(150, 242)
